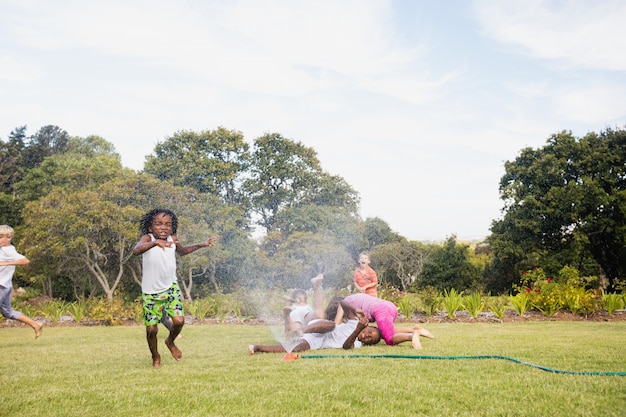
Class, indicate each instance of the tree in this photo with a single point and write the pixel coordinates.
(336, 222)
(91, 231)
(291, 262)
(11, 157)
(80, 229)
(378, 231)
(283, 173)
(74, 170)
(209, 161)
(449, 266)
(49, 140)
(568, 199)
(400, 263)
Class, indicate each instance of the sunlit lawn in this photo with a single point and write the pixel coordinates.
(106, 371)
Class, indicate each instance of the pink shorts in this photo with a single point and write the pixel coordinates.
(385, 315)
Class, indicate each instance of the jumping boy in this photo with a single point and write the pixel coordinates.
(158, 246)
(9, 259)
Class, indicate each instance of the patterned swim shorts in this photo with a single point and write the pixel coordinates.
(154, 305)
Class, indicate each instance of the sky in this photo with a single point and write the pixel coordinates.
(417, 104)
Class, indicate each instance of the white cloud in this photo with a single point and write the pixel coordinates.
(14, 70)
(577, 33)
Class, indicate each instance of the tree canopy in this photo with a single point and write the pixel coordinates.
(567, 198)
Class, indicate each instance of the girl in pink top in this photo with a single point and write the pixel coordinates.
(384, 313)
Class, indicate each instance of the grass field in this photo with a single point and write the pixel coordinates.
(106, 371)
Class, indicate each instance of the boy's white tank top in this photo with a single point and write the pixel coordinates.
(159, 268)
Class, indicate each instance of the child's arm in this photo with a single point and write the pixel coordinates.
(145, 243)
(349, 343)
(186, 250)
(21, 261)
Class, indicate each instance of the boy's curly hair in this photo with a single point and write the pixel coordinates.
(146, 220)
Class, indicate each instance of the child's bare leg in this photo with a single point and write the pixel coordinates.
(415, 340)
(320, 326)
(422, 331)
(32, 323)
(302, 346)
(151, 336)
(177, 326)
(318, 296)
(252, 349)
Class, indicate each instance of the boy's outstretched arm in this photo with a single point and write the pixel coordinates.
(186, 250)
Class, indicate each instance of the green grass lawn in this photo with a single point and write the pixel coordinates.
(106, 371)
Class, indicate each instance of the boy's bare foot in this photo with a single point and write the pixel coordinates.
(38, 331)
(422, 331)
(176, 353)
(251, 350)
(415, 341)
(317, 279)
(156, 361)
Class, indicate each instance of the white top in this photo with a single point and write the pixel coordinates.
(334, 339)
(7, 254)
(159, 268)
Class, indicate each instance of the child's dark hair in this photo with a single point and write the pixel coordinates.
(297, 292)
(146, 220)
(332, 307)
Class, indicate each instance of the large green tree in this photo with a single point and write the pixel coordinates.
(565, 201)
(211, 161)
(284, 173)
(400, 263)
(449, 266)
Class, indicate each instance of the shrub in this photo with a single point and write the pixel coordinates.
(107, 312)
(452, 302)
(406, 305)
(498, 306)
(429, 299)
(521, 303)
(474, 304)
(612, 302)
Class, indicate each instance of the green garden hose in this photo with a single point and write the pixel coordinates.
(543, 368)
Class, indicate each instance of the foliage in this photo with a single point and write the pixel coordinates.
(378, 232)
(567, 202)
(549, 295)
(407, 305)
(53, 310)
(109, 312)
(200, 309)
(211, 162)
(399, 263)
(449, 267)
(612, 302)
(452, 301)
(292, 261)
(474, 304)
(429, 300)
(285, 173)
(498, 306)
(521, 303)
(77, 310)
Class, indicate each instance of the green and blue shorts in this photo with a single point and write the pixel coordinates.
(169, 302)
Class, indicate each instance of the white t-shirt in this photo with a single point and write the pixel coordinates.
(7, 254)
(334, 339)
(159, 268)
